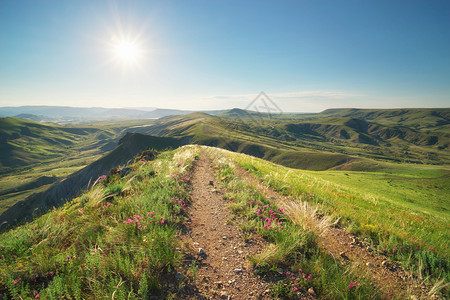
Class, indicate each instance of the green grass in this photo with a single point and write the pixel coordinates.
(402, 212)
(116, 240)
(291, 248)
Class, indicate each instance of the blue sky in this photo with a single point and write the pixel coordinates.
(306, 55)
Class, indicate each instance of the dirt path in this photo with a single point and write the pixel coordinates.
(217, 245)
(348, 249)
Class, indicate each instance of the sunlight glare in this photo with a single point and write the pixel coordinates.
(126, 51)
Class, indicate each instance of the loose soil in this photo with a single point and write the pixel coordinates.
(216, 245)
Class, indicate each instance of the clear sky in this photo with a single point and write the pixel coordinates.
(306, 55)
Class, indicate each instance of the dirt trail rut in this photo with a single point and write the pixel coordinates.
(217, 244)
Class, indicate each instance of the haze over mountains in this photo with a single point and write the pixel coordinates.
(67, 114)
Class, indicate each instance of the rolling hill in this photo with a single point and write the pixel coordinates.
(344, 139)
(129, 146)
(174, 224)
(332, 141)
(24, 142)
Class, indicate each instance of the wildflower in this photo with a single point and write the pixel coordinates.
(393, 250)
(37, 296)
(51, 272)
(16, 282)
(295, 288)
(391, 294)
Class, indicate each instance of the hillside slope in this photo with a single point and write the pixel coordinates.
(191, 224)
(331, 142)
(129, 146)
(23, 142)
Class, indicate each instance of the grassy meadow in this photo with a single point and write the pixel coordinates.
(404, 215)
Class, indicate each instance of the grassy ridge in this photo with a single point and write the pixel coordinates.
(414, 232)
(117, 239)
(292, 248)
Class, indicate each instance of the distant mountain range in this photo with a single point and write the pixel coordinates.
(67, 114)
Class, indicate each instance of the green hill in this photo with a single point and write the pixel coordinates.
(129, 146)
(417, 118)
(123, 237)
(24, 142)
(336, 140)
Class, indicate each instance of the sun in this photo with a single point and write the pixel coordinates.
(127, 51)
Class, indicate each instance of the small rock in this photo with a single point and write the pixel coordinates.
(223, 295)
(224, 237)
(201, 252)
(311, 292)
(224, 258)
(237, 271)
(369, 249)
(231, 281)
(384, 263)
(178, 249)
(370, 265)
(342, 254)
(240, 251)
(219, 284)
(211, 182)
(195, 244)
(272, 198)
